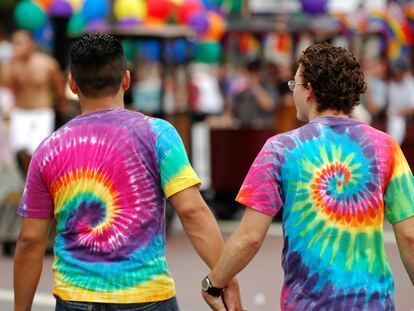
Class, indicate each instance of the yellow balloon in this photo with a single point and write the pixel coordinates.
(76, 4)
(124, 9)
(177, 2)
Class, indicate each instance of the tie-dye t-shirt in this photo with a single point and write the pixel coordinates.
(104, 176)
(336, 179)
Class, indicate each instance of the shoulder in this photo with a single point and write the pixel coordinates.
(159, 125)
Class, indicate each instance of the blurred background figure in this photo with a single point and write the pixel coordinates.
(6, 103)
(376, 75)
(400, 100)
(252, 103)
(37, 83)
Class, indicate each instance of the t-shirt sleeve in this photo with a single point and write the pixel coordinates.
(399, 194)
(176, 171)
(261, 189)
(36, 201)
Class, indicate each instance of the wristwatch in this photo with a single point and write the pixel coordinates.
(207, 287)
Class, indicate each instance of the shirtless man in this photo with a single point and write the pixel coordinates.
(32, 76)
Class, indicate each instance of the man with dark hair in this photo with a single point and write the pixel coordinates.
(104, 177)
(336, 178)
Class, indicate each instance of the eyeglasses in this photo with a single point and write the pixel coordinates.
(292, 84)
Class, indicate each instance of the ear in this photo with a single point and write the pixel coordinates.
(126, 80)
(310, 93)
(72, 84)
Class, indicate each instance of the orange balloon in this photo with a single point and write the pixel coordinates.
(44, 3)
(216, 27)
(153, 21)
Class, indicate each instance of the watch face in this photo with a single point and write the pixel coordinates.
(205, 284)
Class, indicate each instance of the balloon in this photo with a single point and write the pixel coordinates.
(130, 9)
(76, 5)
(209, 4)
(236, 6)
(95, 9)
(218, 3)
(178, 51)
(208, 52)
(150, 49)
(44, 36)
(199, 22)
(160, 9)
(314, 6)
(216, 27)
(44, 4)
(128, 23)
(60, 8)
(29, 16)
(153, 21)
(187, 8)
(76, 23)
(97, 25)
(130, 49)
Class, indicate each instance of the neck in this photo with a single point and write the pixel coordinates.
(327, 113)
(89, 105)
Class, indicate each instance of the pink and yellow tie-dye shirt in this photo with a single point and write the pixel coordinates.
(336, 179)
(104, 176)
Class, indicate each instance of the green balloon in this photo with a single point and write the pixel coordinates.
(76, 24)
(208, 52)
(236, 6)
(29, 16)
(130, 49)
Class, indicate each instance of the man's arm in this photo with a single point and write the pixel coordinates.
(6, 79)
(404, 234)
(239, 249)
(28, 260)
(203, 231)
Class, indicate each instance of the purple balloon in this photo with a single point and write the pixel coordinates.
(128, 23)
(60, 8)
(198, 22)
(97, 25)
(314, 6)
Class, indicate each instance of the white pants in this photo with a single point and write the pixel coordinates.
(28, 128)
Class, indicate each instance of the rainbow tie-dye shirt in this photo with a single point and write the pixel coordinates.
(335, 178)
(104, 176)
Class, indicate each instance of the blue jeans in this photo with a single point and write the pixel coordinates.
(165, 305)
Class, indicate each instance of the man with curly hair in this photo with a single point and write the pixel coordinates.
(336, 178)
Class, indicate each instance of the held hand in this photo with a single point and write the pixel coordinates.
(231, 296)
(215, 303)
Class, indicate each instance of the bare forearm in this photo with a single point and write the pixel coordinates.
(407, 258)
(28, 264)
(204, 234)
(404, 235)
(237, 253)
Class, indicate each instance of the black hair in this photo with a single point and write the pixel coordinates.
(97, 64)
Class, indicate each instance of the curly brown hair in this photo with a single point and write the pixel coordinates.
(335, 76)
